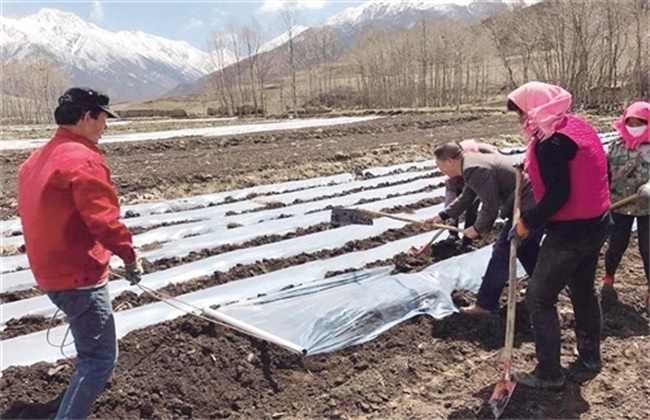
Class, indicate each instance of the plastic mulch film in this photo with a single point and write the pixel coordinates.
(353, 308)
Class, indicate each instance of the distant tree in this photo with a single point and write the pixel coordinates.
(289, 16)
(31, 88)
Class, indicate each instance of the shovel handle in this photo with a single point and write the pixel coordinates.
(512, 279)
(626, 200)
(409, 220)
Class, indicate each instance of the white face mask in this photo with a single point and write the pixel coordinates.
(636, 131)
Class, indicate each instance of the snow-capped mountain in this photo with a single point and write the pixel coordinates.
(127, 65)
(395, 14)
(281, 39)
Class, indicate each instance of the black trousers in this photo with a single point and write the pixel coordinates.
(620, 238)
(565, 262)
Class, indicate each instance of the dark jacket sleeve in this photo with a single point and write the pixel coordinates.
(483, 181)
(460, 205)
(553, 156)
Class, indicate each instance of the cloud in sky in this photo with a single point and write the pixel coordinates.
(270, 6)
(97, 12)
(218, 15)
(193, 23)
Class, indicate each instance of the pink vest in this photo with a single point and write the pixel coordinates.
(469, 146)
(589, 195)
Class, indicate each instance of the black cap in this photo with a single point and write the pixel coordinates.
(87, 98)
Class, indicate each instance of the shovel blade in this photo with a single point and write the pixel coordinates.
(500, 397)
(343, 217)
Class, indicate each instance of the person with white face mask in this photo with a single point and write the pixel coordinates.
(629, 169)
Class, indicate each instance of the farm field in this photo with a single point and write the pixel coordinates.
(208, 212)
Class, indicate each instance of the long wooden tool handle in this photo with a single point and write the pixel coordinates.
(409, 220)
(626, 200)
(512, 280)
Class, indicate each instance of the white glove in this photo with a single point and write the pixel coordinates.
(133, 272)
(644, 190)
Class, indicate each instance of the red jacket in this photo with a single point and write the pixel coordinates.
(70, 214)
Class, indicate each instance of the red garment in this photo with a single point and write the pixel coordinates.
(589, 196)
(70, 214)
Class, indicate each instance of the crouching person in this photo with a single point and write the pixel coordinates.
(491, 179)
(70, 218)
(567, 166)
(454, 188)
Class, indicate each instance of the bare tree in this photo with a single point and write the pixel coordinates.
(251, 36)
(289, 16)
(31, 89)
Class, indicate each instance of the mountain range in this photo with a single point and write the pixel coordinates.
(134, 65)
(127, 65)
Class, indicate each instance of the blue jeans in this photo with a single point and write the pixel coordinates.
(496, 275)
(92, 325)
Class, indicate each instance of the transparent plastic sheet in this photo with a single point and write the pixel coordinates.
(328, 239)
(220, 211)
(29, 349)
(382, 309)
(383, 170)
(182, 243)
(205, 131)
(353, 308)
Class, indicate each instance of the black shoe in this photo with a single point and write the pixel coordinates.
(590, 364)
(532, 380)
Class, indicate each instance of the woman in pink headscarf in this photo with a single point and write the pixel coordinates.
(629, 163)
(567, 167)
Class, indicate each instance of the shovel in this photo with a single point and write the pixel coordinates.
(626, 200)
(504, 389)
(418, 252)
(342, 217)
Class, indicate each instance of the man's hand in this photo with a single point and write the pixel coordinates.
(519, 232)
(133, 272)
(435, 220)
(471, 233)
(644, 190)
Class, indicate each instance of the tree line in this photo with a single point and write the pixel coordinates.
(598, 50)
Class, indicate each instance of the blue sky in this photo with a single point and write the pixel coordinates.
(187, 20)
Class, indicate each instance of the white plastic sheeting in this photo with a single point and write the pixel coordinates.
(8, 227)
(29, 349)
(208, 206)
(218, 131)
(218, 220)
(329, 239)
(353, 308)
(384, 170)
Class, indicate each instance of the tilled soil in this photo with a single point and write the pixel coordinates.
(155, 170)
(422, 368)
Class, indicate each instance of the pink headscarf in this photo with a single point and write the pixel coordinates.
(545, 106)
(640, 110)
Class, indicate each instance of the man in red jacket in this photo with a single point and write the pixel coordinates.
(70, 216)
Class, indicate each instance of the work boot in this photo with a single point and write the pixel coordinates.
(595, 365)
(531, 379)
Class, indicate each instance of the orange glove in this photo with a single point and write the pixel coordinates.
(519, 232)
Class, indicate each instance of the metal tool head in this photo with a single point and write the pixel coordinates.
(343, 217)
(501, 395)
